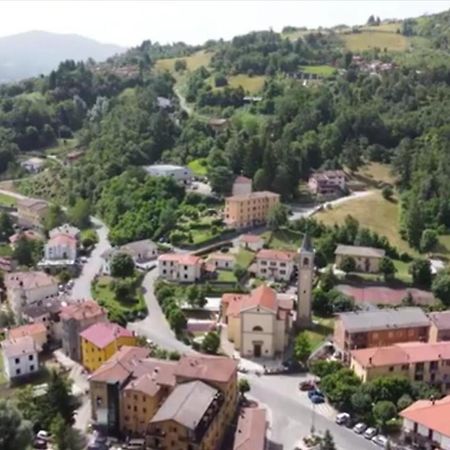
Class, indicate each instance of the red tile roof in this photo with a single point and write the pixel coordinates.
(253, 195)
(104, 333)
(277, 255)
(63, 239)
(21, 346)
(208, 368)
(250, 238)
(180, 258)
(430, 414)
(84, 310)
(28, 234)
(262, 296)
(27, 330)
(250, 432)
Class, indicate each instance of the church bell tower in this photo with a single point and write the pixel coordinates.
(305, 281)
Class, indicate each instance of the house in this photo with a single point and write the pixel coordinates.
(367, 259)
(37, 331)
(46, 312)
(327, 182)
(367, 329)
(31, 212)
(257, 323)
(218, 124)
(60, 250)
(241, 186)
(20, 357)
(75, 318)
(100, 341)
(275, 264)
(426, 424)
(31, 235)
(180, 174)
(249, 210)
(25, 288)
(182, 267)
(417, 361)
(65, 229)
(33, 165)
(224, 261)
(251, 429)
(251, 242)
(439, 326)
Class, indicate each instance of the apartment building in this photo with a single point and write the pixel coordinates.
(251, 242)
(367, 329)
(439, 326)
(224, 261)
(20, 357)
(275, 264)
(181, 267)
(418, 361)
(37, 331)
(248, 210)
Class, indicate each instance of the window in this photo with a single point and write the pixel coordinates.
(17, 360)
(135, 396)
(128, 407)
(17, 371)
(391, 369)
(32, 368)
(135, 408)
(144, 410)
(127, 418)
(283, 264)
(30, 357)
(257, 328)
(405, 367)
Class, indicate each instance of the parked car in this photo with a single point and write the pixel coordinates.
(380, 440)
(359, 428)
(342, 418)
(307, 385)
(370, 433)
(315, 392)
(316, 399)
(42, 434)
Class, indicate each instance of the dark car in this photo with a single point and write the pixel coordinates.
(40, 444)
(315, 392)
(317, 399)
(307, 385)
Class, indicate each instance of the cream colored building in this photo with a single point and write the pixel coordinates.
(258, 323)
(249, 210)
(367, 259)
(181, 267)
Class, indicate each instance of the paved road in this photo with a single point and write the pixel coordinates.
(82, 285)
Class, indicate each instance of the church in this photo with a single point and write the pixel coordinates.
(259, 323)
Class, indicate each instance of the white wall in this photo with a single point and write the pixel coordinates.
(55, 252)
(273, 269)
(21, 363)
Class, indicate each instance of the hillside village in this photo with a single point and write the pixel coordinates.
(242, 245)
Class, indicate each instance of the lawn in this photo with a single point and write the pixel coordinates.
(252, 85)
(321, 329)
(373, 212)
(374, 174)
(7, 200)
(367, 40)
(402, 273)
(226, 276)
(244, 258)
(198, 166)
(323, 71)
(5, 250)
(194, 61)
(283, 239)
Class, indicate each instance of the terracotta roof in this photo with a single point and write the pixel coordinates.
(263, 296)
(13, 348)
(207, 368)
(53, 305)
(430, 414)
(66, 229)
(251, 429)
(403, 353)
(28, 234)
(27, 330)
(180, 258)
(62, 239)
(242, 180)
(277, 255)
(83, 310)
(252, 195)
(144, 384)
(28, 280)
(441, 319)
(250, 238)
(357, 251)
(102, 334)
(186, 404)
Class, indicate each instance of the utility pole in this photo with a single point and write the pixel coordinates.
(313, 419)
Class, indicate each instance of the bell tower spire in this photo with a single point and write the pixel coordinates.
(305, 281)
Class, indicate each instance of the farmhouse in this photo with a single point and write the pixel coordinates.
(327, 182)
(181, 267)
(367, 259)
(251, 242)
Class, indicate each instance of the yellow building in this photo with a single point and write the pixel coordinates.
(100, 341)
(249, 210)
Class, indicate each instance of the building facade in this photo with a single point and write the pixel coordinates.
(20, 357)
(37, 331)
(241, 186)
(180, 174)
(367, 259)
(305, 283)
(327, 182)
(251, 242)
(224, 261)
(439, 326)
(275, 264)
(181, 267)
(62, 247)
(249, 210)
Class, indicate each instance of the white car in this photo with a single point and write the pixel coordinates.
(359, 428)
(370, 433)
(380, 440)
(42, 434)
(342, 418)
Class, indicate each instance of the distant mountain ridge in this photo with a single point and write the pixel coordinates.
(34, 52)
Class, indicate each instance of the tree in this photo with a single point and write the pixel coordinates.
(383, 411)
(420, 270)
(122, 265)
(211, 343)
(302, 347)
(361, 403)
(387, 268)
(243, 386)
(348, 264)
(322, 368)
(404, 401)
(277, 216)
(261, 180)
(55, 217)
(180, 65)
(64, 436)
(327, 280)
(239, 272)
(79, 214)
(15, 432)
(387, 192)
(414, 223)
(441, 287)
(59, 399)
(220, 80)
(327, 442)
(89, 238)
(23, 252)
(6, 227)
(428, 240)
(177, 320)
(322, 303)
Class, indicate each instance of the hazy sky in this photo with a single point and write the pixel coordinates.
(128, 23)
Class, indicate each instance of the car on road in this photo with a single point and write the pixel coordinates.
(343, 418)
(380, 440)
(359, 428)
(307, 385)
(317, 399)
(42, 434)
(315, 391)
(370, 433)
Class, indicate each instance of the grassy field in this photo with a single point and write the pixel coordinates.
(226, 276)
(321, 329)
(367, 40)
(384, 27)
(402, 271)
(244, 258)
(323, 71)
(283, 239)
(7, 200)
(196, 60)
(198, 166)
(375, 173)
(252, 85)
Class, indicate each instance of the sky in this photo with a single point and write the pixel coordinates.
(128, 23)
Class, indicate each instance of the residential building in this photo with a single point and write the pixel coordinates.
(275, 264)
(367, 259)
(241, 186)
(220, 260)
(327, 182)
(100, 341)
(367, 329)
(180, 174)
(426, 424)
(65, 229)
(31, 212)
(249, 210)
(251, 242)
(47, 313)
(75, 318)
(20, 357)
(25, 288)
(251, 429)
(31, 235)
(37, 331)
(417, 361)
(305, 283)
(257, 323)
(439, 326)
(182, 267)
(33, 165)
(60, 250)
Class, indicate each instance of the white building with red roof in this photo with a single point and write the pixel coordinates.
(258, 323)
(61, 249)
(251, 242)
(181, 267)
(242, 186)
(275, 264)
